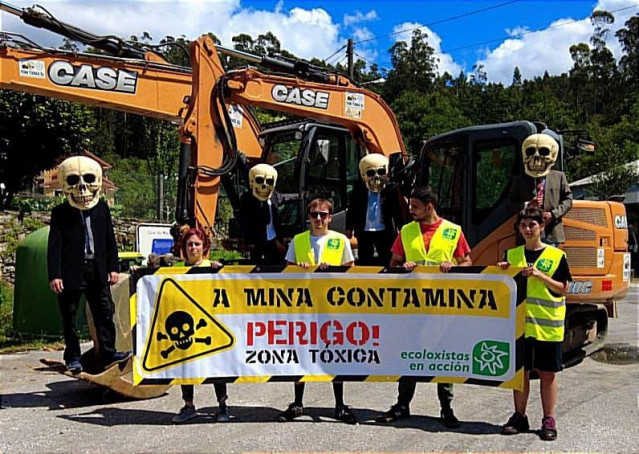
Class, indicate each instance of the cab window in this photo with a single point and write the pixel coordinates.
(493, 169)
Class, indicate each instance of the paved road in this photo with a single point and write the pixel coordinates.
(47, 412)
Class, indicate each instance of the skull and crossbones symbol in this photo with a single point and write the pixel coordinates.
(181, 329)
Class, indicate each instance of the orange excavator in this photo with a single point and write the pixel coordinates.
(469, 168)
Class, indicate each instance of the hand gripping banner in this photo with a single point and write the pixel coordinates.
(242, 324)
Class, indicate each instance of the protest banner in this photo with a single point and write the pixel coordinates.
(195, 325)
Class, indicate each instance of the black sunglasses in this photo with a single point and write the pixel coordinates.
(372, 172)
(317, 214)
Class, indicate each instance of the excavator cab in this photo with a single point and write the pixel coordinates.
(312, 160)
(471, 170)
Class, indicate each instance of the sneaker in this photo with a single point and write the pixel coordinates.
(222, 414)
(449, 419)
(516, 424)
(292, 412)
(395, 413)
(548, 430)
(186, 413)
(75, 367)
(344, 414)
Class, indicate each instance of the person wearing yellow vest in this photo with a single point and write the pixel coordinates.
(195, 246)
(428, 240)
(319, 247)
(548, 275)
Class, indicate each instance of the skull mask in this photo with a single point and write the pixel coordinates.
(539, 152)
(81, 179)
(180, 327)
(262, 179)
(374, 171)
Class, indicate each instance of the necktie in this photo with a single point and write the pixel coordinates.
(540, 193)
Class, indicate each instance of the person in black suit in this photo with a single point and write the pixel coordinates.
(82, 258)
(542, 186)
(374, 213)
(259, 218)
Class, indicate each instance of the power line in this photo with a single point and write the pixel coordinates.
(448, 19)
(519, 35)
(441, 21)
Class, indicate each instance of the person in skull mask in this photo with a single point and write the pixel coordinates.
(374, 213)
(82, 258)
(542, 186)
(259, 218)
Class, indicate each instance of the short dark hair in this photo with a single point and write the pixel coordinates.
(532, 213)
(426, 195)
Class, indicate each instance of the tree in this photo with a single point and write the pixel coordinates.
(629, 62)
(35, 133)
(414, 67)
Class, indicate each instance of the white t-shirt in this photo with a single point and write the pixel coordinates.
(317, 244)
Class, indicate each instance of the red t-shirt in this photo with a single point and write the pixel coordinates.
(428, 230)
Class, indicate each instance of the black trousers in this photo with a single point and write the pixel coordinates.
(406, 392)
(220, 393)
(368, 242)
(98, 295)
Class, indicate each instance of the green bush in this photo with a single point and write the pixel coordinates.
(6, 309)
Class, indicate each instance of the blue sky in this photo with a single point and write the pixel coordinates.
(464, 33)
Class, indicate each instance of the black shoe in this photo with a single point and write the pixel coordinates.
(548, 430)
(516, 424)
(185, 414)
(222, 414)
(395, 413)
(75, 367)
(344, 414)
(116, 358)
(292, 412)
(449, 419)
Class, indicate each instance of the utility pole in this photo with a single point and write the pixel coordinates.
(349, 54)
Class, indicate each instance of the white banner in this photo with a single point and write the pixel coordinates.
(190, 327)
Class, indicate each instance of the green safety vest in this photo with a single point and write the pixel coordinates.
(442, 244)
(331, 254)
(545, 312)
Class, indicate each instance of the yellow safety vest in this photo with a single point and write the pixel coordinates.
(545, 312)
(442, 244)
(331, 254)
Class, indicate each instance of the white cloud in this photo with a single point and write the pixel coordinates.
(446, 62)
(535, 52)
(305, 32)
(350, 19)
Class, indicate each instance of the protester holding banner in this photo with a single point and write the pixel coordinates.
(548, 276)
(195, 246)
(322, 247)
(427, 240)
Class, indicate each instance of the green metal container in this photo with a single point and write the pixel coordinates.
(35, 306)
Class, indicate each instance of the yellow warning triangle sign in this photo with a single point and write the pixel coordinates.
(181, 330)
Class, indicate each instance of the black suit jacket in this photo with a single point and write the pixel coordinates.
(65, 253)
(557, 200)
(254, 218)
(391, 209)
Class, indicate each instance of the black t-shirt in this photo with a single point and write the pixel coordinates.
(561, 274)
